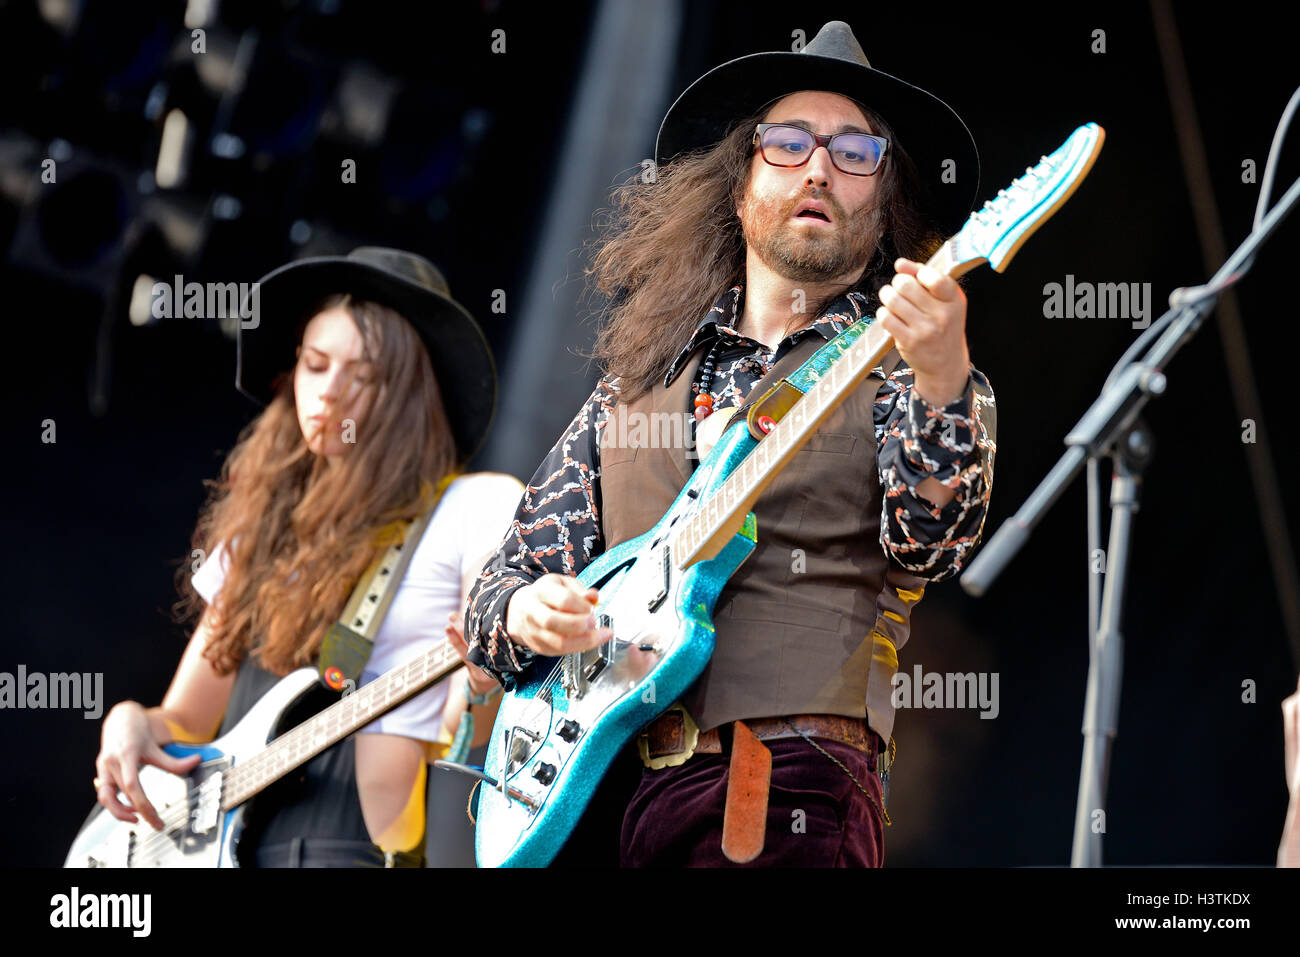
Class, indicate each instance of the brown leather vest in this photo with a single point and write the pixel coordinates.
(812, 621)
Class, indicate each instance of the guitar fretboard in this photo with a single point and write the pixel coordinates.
(708, 529)
(335, 723)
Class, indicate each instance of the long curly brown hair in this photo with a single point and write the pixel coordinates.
(304, 531)
(669, 248)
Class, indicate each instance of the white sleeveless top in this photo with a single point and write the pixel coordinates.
(475, 512)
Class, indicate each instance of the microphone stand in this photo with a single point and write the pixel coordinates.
(1111, 428)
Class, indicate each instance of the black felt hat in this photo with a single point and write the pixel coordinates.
(403, 281)
(925, 127)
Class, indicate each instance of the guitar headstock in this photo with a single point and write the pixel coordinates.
(996, 232)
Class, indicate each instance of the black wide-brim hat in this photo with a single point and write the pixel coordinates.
(403, 281)
(925, 127)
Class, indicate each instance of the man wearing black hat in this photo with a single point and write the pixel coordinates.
(796, 193)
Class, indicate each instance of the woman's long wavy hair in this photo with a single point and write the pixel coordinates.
(669, 248)
(304, 531)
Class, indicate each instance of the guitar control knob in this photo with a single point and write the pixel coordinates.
(568, 730)
(544, 772)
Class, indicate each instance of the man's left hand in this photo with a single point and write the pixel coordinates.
(925, 312)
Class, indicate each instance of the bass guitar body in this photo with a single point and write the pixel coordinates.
(197, 831)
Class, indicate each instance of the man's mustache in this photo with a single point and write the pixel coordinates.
(837, 211)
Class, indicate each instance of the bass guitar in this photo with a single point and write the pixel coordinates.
(560, 727)
(203, 810)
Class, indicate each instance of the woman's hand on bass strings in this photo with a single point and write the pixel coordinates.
(127, 742)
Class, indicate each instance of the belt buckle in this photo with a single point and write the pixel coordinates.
(690, 735)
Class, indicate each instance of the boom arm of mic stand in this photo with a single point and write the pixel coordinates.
(1008, 540)
(1115, 409)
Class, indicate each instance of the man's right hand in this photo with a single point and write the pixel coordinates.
(555, 616)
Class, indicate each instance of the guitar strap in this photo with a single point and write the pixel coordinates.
(350, 640)
(775, 393)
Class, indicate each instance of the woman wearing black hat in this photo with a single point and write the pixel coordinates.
(378, 389)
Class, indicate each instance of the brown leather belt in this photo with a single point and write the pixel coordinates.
(667, 734)
(744, 819)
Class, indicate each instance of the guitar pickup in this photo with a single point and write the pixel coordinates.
(582, 667)
(575, 685)
(658, 598)
(208, 808)
(598, 659)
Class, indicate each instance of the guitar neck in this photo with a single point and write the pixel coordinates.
(705, 533)
(953, 259)
(335, 723)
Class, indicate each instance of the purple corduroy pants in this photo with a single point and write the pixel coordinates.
(816, 815)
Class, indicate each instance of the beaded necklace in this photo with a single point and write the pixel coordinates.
(704, 398)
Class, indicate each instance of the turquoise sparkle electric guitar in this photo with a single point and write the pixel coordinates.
(559, 729)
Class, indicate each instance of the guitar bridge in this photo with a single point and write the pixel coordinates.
(520, 744)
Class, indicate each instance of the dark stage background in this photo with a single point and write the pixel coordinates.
(460, 154)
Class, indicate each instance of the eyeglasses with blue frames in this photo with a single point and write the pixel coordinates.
(858, 154)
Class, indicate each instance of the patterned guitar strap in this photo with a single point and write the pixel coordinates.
(350, 640)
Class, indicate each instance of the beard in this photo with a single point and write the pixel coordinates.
(809, 255)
